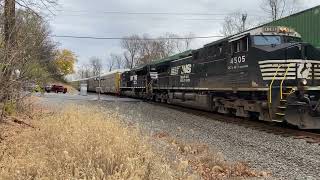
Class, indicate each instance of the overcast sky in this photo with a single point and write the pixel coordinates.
(87, 18)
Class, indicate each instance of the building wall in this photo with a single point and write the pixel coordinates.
(307, 23)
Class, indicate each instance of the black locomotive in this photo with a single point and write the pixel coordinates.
(266, 73)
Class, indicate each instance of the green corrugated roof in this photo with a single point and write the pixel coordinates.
(170, 58)
(306, 23)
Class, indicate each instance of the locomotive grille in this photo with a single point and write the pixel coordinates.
(297, 68)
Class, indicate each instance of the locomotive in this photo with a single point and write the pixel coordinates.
(267, 73)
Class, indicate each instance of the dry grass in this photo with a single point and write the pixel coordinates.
(208, 163)
(88, 144)
(83, 144)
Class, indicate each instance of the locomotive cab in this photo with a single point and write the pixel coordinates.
(276, 67)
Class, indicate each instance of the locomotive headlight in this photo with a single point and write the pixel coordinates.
(303, 82)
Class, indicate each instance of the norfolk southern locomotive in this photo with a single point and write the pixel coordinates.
(267, 73)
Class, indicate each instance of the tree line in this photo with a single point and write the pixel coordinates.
(28, 55)
(137, 51)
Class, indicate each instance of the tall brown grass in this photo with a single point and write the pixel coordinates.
(83, 144)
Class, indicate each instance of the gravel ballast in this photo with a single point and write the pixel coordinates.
(284, 157)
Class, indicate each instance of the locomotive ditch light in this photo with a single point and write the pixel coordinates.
(303, 82)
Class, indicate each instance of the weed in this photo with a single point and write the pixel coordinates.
(83, 144)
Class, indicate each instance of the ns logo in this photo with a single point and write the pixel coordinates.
(182, 69)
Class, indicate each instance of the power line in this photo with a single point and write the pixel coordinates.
(145, 13)
(151, 13)
(128, 38)
(152, 18)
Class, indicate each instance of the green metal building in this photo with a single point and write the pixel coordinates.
(307, 23)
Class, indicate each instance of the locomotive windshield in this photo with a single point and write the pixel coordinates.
(266, 40)
(263, 40)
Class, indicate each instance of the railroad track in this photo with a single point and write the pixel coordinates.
(268, 127)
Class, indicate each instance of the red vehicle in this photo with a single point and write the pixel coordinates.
(57, 89)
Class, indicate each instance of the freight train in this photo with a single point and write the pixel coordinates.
(266, 73)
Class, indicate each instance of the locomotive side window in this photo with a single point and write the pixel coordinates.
(236, 46)
(240, 45)
(244, 44)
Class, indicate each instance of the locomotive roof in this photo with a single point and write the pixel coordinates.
(173, 57)
(260, 30)
(170, 58)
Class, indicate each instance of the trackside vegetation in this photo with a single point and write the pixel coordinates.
(87, 143)
(83, 144)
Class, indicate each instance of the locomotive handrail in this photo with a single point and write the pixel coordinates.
(271, 84)
(281, 84)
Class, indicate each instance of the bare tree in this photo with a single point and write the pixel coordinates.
(143, 50)
(168, 45)
(84, 71)
(131, 45)
(188, 41)
(110, 64)
(96, 65)
(175, 43)
(36, 6)
(117, 61)
(276, 9)
(234, 23)
(149, 49)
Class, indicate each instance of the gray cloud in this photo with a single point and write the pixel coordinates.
(86, 18)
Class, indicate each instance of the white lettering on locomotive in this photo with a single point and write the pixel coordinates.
(182, 69)
(186, 69)
(236, 63)
(154, 75)
(185, 78)
(238, 60)
(134, 78)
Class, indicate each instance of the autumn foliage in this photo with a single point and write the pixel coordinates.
(64, 61)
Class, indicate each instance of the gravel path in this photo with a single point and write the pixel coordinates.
(285, 157)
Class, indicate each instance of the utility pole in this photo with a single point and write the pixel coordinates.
(244, 19)
(99, 89)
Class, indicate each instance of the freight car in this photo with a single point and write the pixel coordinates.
(266, 73)
(110, 82)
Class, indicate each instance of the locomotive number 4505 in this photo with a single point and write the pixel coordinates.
(238, 60)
